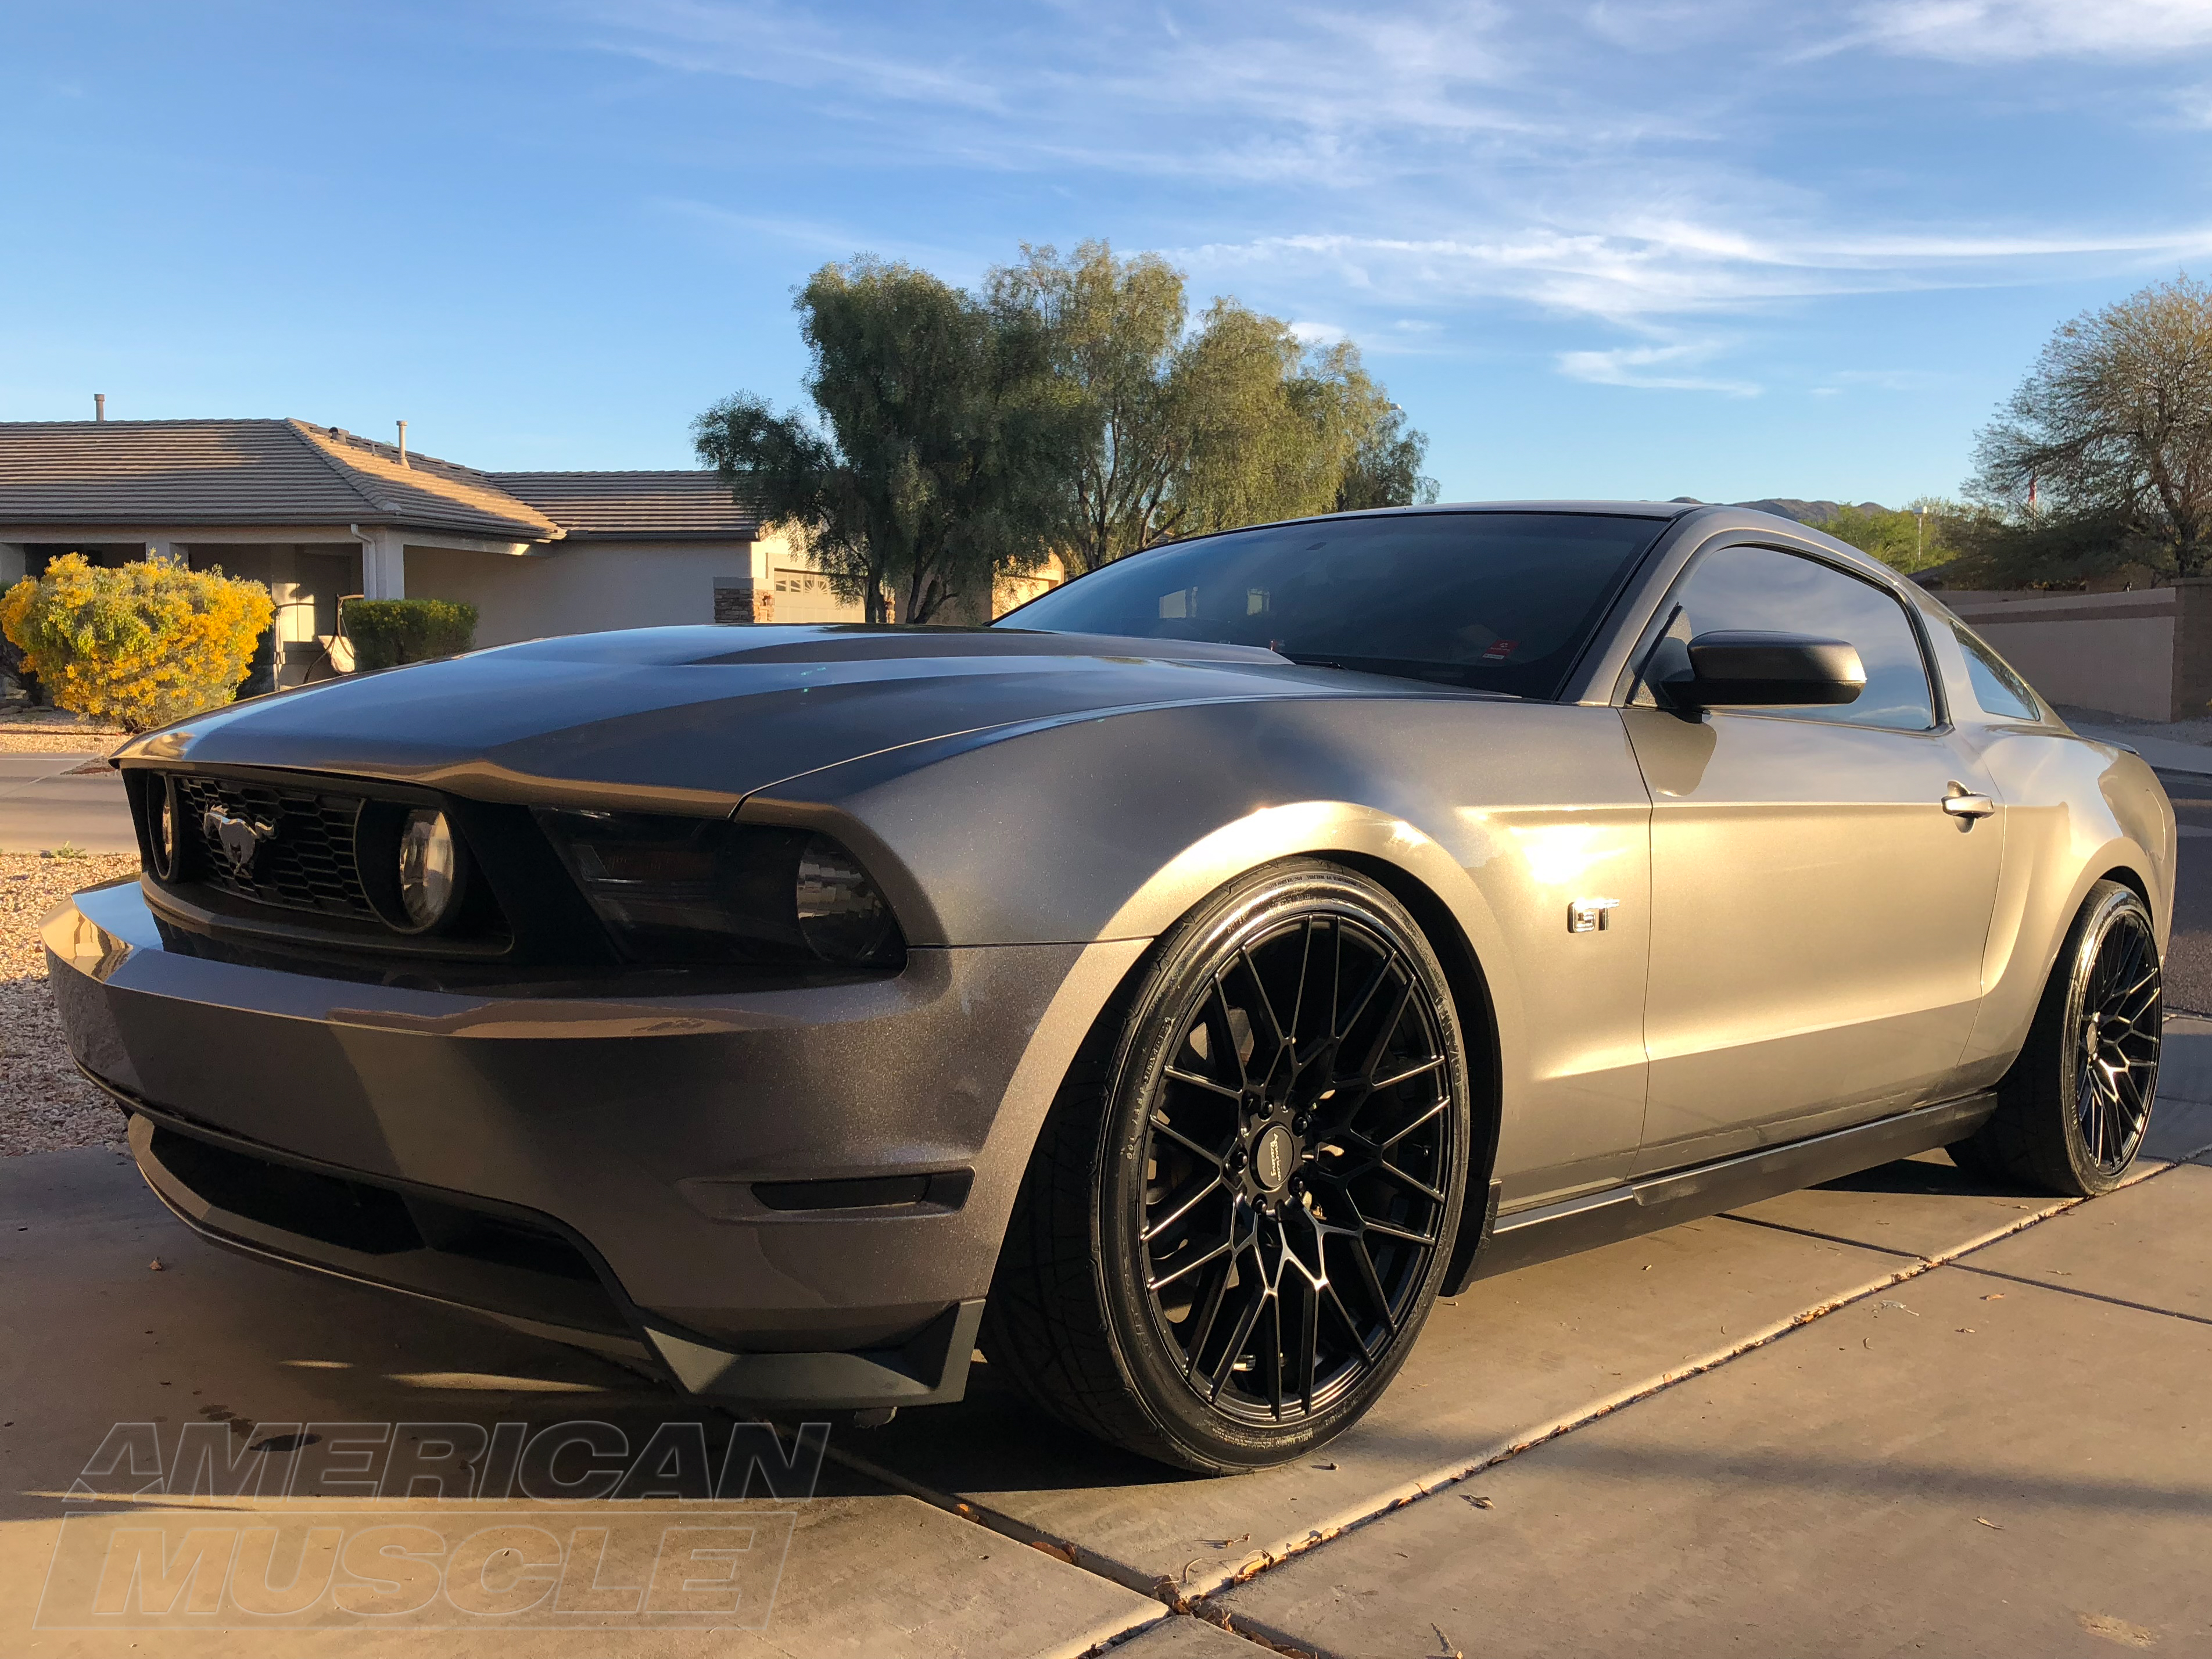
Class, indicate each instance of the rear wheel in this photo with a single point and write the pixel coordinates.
(2072, 1112)
(1243, 1204)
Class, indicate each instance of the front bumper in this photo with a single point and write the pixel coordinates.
(595, 1168)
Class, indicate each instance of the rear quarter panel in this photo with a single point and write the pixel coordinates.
(2075, 811)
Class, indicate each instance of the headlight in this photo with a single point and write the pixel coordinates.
(706, 889)
(841, 914)
(429, 867)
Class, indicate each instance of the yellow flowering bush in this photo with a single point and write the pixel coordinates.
(138, 644)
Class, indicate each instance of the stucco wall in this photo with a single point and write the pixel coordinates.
(580, 589)
(2114, 652)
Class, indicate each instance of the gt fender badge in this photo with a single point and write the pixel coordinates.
(1591, 916)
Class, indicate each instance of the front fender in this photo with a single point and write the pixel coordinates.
(1109, 828)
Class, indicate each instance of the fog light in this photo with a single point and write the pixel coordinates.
(428, 865)
(841, 914)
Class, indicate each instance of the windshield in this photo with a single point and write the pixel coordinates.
(1490, 601)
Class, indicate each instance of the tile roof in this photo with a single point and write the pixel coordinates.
(635, 505)
(167, 473)
(425, 490)
(181, 473)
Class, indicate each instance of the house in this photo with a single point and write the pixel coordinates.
(319, 514)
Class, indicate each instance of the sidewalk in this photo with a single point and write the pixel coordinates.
(1901, 1410)
(2179, 746)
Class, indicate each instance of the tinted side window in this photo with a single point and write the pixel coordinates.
(1998, 690)
(1760, 588)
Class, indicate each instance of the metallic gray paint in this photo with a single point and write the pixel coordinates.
(1038, 808)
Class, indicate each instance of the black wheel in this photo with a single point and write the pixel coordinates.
(2072, 1111)
(1243, 1204)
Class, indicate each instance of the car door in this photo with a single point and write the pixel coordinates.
(1818, 913)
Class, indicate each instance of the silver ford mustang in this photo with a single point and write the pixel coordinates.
(1173, 989)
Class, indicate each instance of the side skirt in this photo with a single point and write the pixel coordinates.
(1646, 1205)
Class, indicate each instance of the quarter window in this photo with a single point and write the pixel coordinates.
(1997, 688)
(1759, 587)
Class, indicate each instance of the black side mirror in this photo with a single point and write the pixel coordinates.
(1739, 669)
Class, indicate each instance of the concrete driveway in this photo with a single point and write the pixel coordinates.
(1902, 1411)
(48, 801)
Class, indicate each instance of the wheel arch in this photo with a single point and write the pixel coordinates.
(1471, 985)
(2128, 877)
(1478, 1030)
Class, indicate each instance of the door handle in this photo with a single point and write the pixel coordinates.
(1963, 805)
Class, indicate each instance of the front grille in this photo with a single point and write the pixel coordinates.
(305, 859)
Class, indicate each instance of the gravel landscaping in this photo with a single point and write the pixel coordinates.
(56, 732)
(43, 1104)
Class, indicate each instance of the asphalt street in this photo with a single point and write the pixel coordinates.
(63, 801)
(2189, 959)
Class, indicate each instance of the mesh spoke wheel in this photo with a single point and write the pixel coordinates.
(1245, 1198)
(2116, 1026)
(1296, 1143)
(2073, 1110)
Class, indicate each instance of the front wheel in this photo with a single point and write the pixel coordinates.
(2073, 1110)
(1243, 1204)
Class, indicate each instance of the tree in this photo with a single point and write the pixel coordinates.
(1386, 467)
(1112, 332)
(1914, 538)
(926, 473)
(2105, 452)
(1174, 431)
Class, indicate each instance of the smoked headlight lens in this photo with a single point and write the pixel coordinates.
(429, 866)
(673, 889)
(841, 914)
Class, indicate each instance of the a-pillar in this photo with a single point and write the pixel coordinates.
(383, 565)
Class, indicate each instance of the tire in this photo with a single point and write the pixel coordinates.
(1245, 1200)
(2072, 1111)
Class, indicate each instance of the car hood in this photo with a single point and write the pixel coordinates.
(695, 719)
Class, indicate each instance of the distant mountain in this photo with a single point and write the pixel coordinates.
(1789, 506)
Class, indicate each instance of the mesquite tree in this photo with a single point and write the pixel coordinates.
(2109, 439)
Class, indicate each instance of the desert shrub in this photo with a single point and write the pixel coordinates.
(388, 632)
(139, 644)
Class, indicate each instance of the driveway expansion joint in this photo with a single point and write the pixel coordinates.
(2075, 1290)
(1198, 1603)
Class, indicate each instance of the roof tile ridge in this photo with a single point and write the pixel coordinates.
(607, 472)
(345, 475)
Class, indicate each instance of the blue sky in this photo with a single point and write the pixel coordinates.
(1726, 249)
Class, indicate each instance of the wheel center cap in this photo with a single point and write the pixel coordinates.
(1273, 1156)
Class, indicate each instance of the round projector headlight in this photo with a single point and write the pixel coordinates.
(429, 866)
(842, 916)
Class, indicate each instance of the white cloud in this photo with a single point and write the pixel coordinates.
(2009, 30)
(1370, 165)
(1633, 366)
